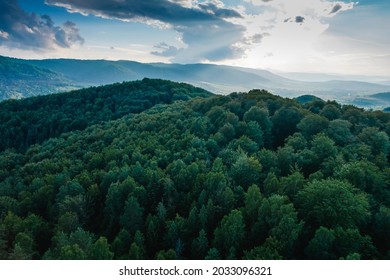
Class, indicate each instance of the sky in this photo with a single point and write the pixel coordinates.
(315, 36)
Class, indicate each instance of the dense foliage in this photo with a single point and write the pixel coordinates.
(244, 176)
(33, 120)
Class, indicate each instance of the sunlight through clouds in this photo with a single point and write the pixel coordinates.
(299, 35)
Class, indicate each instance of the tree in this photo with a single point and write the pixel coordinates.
(68, 222)
(101, 250)
(331, 112)
(292, 184)
(72, 252)
(246, 170)
(278, 219)
(213, 254)
(321, 246)
(271, 184)
(332, 203)
(121, 244)
(284, 124)
(260, 116)
(377, 140)
(323, 147)
(349, 242)
(132, 217)
(137, 248)
(382, 229)
(24, 247)
(297, 142)
(255, 133)
(363, 175)
(200, 245)
(269, 250)
(252, 203)
(166, 255)
(339, 131)
(312, 124)
(231, 232)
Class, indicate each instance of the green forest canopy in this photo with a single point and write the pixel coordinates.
(196, 176)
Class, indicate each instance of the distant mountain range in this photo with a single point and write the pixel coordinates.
(375, 101)
(22, 78)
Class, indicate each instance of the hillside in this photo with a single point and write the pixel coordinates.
(374, 101)
(29, 121)
(19, 79)
(244, 176)
(219, 79)
(384, 96)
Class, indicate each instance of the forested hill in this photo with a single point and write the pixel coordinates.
(33, 120)
(244, 176)
(19, 79)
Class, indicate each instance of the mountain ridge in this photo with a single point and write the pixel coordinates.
(63, 74)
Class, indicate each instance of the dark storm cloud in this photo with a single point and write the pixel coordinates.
(161, 10)
(19, 29)
(204, 28)
(336, 8)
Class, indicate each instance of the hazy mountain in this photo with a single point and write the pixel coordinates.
(20, 79)
(323, 77)
(374, 101)
(37, 77)
(385, 96)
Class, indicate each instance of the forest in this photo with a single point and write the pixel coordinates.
(160, 170)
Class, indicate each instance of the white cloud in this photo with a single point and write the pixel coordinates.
(293, 28)
(4, 35)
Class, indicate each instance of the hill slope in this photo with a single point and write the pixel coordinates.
(33, 120)
(219, 79)
(374, 101)
(19, 79)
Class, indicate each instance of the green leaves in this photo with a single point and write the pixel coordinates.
(333, 203)
(230, 234)
(246, 170)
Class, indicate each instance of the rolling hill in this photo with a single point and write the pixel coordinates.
(19, 79)
(33, 120)
(374, 101)
(55, 75)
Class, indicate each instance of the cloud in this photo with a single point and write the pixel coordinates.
(166, 50)
(165, 11)
(255, 38)
(206, 28)
(218, 11)
(22, 30)
(299, 19)
(336, 8)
